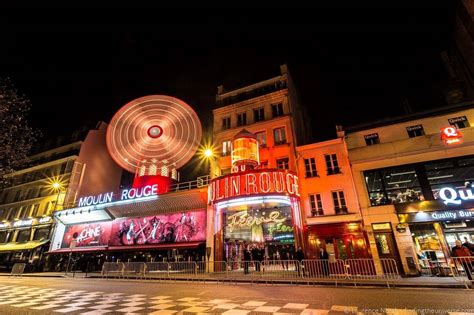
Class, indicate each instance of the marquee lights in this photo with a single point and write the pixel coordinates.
(253, 183)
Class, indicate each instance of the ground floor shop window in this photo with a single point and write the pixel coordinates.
(429, 249)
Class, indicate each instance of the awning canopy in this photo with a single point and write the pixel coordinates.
(125, 248)
(9, 247)
(188, 200)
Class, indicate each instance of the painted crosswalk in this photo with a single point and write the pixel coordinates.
(47, 300)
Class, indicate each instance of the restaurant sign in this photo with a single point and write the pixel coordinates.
(452, 196)
(445, 215)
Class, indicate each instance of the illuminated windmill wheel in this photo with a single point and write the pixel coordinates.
(154, 136)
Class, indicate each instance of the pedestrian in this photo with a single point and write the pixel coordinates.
(468, 245)
(247, 258)
(463, 256)
(299, 256)
(261, 255)
(285, 256)
(324, 256)
(256, 258)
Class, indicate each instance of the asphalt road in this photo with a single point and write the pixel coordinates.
(96, 296)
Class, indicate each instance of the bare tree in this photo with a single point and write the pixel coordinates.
(16, 136)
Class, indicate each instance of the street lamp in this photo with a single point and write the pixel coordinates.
(57, 187)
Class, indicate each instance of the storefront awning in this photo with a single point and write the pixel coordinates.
(167, 203)
(78, 250)
(156, 247)
(10, 247)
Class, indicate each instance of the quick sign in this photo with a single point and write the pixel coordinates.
(451, 196)
(127, 194)
(256, 182)
(450, 135)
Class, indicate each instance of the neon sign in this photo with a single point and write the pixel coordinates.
(450, 135)
(255, 182)
(243, 219)
(127, 194)
(450, 195)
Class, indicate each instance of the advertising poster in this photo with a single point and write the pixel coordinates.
(168, 228)
(89, 234)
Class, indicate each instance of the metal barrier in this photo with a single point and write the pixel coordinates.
(17, 270)
(244, 269)
(136, 269)
(157, 270)
(325, 270)
(461, 269)
(112, 268)
(182, 269)
(338, 270)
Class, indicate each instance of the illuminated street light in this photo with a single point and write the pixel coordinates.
(208, 153)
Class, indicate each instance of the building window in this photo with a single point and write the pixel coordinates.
(4, 236)
(277, 110)
(226, 123)
(415, 131)
(393, 185)
(23, 235)
(262, 139)
(41, 234)
(10, 213)
(283, 163)
(310, 167)
(264, 164)
(279, 136)
(34, 210)
(259, 114)
(4, 197)
(316, 204)
(226, 147)
(371, 139)
(459, 122)
(17, 195)
(63, 168)
(331, 164)
(454, 173)
(22, 212)
(339, 202)
(241, 119)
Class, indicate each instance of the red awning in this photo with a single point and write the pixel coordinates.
(78, 249)
(157, 246)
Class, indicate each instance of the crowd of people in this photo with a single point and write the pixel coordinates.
(464, 253)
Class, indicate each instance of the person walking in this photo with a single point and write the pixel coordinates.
(463, 255)
(256, 257)
(299, 256)
(324, 256)
(247, 258)
(285, 256)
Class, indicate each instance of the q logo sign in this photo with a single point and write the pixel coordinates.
(450, 135)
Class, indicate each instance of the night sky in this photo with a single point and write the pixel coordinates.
(351, 65)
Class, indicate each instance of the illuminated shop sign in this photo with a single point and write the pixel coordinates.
(44, 220)
(257, 225)
(22, 223)
(4, 225)
(254, 183)
(445, 215)
(127, 194)
(90, 234)
(450, 135)
(451, 196)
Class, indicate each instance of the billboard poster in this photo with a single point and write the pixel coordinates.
(260, 225)
(167, 228)
(88, 234)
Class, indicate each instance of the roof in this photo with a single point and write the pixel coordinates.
(409, 117)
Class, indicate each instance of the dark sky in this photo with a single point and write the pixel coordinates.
(350, 64)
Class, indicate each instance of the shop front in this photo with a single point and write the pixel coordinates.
(435, 227)
(256, 209)
(341, 240)
(169, 228)
(25, 241)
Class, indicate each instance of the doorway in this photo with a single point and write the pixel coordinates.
(387, 248)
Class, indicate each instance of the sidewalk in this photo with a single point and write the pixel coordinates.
(418, 282)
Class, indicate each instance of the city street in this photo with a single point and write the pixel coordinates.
(97, 296)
